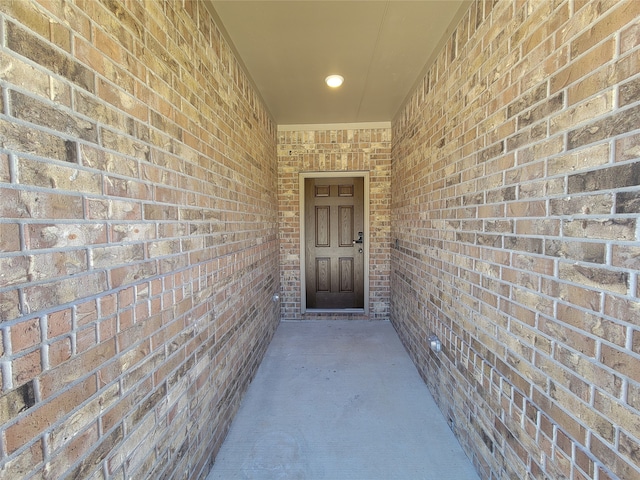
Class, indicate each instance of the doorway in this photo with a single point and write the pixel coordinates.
(334, 233)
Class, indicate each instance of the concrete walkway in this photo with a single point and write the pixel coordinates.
(339, 400)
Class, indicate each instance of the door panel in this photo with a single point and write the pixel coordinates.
(323, 227)
(334, 222)
(346, 275)
(323, 274)
(346, 226)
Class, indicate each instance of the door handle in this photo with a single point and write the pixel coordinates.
(360, 239)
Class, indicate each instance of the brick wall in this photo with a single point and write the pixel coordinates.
(516, 193)
(340, 149)
(138, 238)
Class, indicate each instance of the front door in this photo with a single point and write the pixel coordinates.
(334, 250)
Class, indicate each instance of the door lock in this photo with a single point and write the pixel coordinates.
(360, 239)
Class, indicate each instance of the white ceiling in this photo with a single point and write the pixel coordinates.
(381, 48)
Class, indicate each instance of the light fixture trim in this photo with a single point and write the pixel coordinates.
(334, 81)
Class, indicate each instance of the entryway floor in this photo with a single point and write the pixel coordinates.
(339, 400)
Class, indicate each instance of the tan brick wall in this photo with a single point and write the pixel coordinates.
(138, 238)
(515, 187)
(342, 149)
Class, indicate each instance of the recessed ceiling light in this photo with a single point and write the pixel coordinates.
(334, 81)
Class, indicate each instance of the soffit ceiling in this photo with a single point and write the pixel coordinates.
(381, 48)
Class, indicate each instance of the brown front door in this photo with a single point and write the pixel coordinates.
(334, 227)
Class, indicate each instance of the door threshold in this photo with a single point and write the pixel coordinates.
(335, 310)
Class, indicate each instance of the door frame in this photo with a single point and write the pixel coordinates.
(303, 282)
